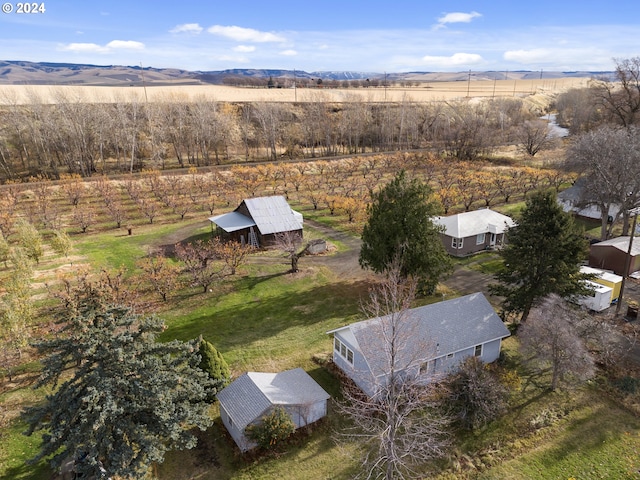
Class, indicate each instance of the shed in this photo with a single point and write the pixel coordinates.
(432, 340)
(253, 395)
(612, 255)
(258, 221)
(470, 232)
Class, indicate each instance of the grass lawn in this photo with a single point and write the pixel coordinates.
(265, 319)
(597, 440)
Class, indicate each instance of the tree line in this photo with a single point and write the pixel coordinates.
(126, 134)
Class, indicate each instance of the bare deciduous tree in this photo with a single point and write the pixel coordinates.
(551, 342)
(289, 243)
(402, 426)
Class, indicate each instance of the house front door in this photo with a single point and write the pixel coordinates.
(492, 240)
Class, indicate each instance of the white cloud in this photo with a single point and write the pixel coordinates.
(244, 48)
(241, 34)
(193, 28)
(108, 48)
(125, 45)
(455, 60)
(458, 17)
(84, 48)
(289, 53)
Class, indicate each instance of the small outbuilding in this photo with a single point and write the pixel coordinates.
(253, 395)
(612, 255)
(258, 221)
(471, 232)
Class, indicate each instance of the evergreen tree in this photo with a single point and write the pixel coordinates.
(214, 364)
(129, 399)
(400, 225)
(542, 256)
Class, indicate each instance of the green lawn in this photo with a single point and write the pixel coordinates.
(266, 319)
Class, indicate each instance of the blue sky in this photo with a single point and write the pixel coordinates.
(326, 35)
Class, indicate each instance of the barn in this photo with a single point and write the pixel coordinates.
(612, 255)
(258, 221)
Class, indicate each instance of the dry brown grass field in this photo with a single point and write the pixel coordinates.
(428, 91)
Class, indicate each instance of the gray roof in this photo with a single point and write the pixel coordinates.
(620, 243)
(467, 224)
(249, 396)
(273, 214)
(230, 222)
(427, 332)
(269, 214)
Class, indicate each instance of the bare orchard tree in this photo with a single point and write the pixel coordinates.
(402, 426)
(551, 342)
(289, 243)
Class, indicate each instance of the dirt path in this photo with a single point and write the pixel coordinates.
(343, 263)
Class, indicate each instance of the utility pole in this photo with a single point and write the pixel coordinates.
(627, 263)
(469, 83)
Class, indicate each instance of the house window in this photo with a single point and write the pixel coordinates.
(344, 351)
(456, 243)
(428, 367)
(480, 239)
(478, 351)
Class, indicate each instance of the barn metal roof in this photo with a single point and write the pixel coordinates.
(467, 224)
(230, 222)
(269, 214)
(620, 243)
(273, 214)
(427, 332)
(250, 395)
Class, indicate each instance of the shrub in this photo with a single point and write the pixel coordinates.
(273, 428)
(475, 395)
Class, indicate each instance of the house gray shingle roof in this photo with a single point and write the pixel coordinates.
(250, 395)
(428, 332)
(467, 224)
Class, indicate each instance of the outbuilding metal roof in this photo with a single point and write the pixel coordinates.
(621, 243)
(249, 396)
(230, 222)
(268, 214)
(427, 332)
(467, 224)
(273, 214)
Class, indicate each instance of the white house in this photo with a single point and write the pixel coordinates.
(253, 395)
(431, 340)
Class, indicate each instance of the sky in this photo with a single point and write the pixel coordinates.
(326, 35)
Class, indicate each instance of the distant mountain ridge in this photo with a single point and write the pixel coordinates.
(16, 72)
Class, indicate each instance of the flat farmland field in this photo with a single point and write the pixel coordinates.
(426, 92)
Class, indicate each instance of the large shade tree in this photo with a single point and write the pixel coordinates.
(542, 256)
(608, 161)
(400, 226)
(128, 398)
